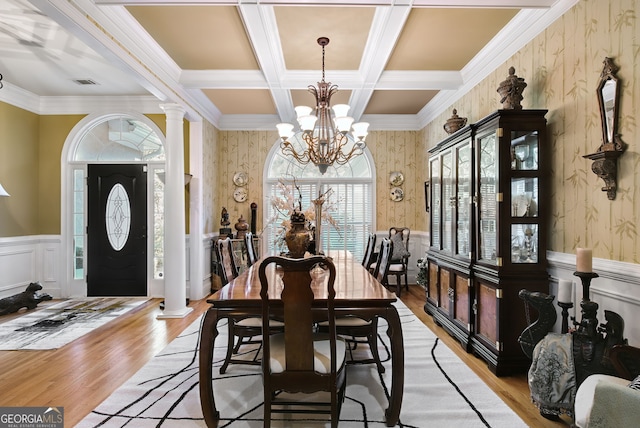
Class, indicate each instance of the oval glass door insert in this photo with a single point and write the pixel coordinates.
(118, 217)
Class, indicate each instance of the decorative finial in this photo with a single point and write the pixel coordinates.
(511, 91)
(454, 123)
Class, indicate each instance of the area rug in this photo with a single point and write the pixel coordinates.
(54, 326)
(439, 391)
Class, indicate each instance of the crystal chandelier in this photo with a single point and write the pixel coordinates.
(326, 139)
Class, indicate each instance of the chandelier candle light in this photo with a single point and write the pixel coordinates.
(326, 139)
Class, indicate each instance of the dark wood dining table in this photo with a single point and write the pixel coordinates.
(357, 293)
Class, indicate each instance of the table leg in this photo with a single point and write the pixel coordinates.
(392, 414)
(207, 337)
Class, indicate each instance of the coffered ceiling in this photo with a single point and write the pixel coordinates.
(245, 64)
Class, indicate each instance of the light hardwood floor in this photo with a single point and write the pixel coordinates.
(80, 375)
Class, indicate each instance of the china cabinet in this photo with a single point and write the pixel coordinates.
(488, 217)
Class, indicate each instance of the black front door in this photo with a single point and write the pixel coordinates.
(117, 230)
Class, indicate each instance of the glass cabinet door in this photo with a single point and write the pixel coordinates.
(524, 197)
(463, 193)
(436, 204)
(487, 145)
(448, 199)
(524, 150)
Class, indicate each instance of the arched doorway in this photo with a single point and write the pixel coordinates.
(113, 206)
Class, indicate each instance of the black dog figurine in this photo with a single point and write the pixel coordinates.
(27, 299)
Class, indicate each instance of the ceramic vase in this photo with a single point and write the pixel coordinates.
(297, 239)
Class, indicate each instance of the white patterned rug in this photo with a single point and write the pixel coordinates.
(439, 391)
(56, 325)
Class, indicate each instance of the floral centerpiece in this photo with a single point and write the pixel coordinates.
(288, 210)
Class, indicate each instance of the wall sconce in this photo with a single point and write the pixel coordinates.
(3, 192)
(605, 159)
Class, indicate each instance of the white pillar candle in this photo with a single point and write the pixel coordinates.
(565, 291)
(584, 259)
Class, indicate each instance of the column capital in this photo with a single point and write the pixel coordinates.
(173, 109)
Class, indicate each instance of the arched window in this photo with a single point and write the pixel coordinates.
(119, 139)
(350, 205)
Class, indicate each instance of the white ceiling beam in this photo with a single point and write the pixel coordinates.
(419, 80)
(262, 29)
(223, 79)
(386, 28)
(254, 79)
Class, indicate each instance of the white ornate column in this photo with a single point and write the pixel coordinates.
(175, 271)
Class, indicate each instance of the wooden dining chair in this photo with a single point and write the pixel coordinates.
(381, 271)
(400, 256)
(369, 252)
(224, 253)
(252, 255)
(357, 330)
(300, 360)
(242, 330)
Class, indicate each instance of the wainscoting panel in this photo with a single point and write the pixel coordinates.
(27, 259)
(617, 289)
(16, 279)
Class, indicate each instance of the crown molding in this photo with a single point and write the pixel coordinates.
(146, 104)
(20, 98)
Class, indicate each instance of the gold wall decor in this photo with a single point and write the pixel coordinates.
(605, 159)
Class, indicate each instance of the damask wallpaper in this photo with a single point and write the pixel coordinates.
(241, 151)
(209, 194)
(562, 67)
(398, 151)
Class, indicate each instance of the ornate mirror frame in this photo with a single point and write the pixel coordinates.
(605, 159)
(609, 100)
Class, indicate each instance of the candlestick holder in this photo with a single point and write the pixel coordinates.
(565, 315)
(587, 328)
(585, 278)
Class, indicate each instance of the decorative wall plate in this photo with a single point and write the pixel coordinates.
(396, 194)
(396, 178)
(240, 179)
(240, 194)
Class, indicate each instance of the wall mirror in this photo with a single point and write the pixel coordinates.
(605, 159)
(608, 99)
